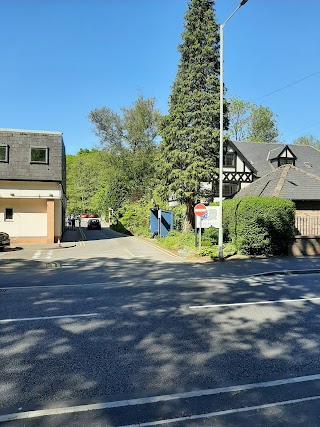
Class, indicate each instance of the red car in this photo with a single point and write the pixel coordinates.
(92, 215)
(84, 215)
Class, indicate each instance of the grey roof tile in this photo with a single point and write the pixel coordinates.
(292, 182)
(308, 158)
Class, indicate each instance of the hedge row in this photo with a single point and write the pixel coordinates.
(259, 225)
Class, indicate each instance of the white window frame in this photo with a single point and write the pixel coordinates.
(46, 162)
(6, 156)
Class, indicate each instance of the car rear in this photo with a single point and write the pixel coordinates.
(4, 240)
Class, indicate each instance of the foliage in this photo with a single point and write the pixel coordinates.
(86, 180)
(120, 228)
(131, 141)
(176, 240)
(213, 251)
(134, 217)
(190, 131)
(261, 125)
(251, 122)
(211, 235)
(238, 118)
(260, 225)
(179, 214)
(135, 129)
(308, 140)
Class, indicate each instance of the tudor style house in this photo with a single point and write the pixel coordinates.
(32, 185)
(278, 170)
(245, 162)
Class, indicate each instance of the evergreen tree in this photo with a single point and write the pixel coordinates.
(190, 131)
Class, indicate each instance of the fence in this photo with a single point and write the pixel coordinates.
(308, 225)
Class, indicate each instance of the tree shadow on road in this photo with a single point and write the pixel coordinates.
(143, 338)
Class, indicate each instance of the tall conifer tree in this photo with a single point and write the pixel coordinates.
(190, 131)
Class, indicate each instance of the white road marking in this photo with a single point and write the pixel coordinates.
(47, 318)
(49, 254)
(36, 255)
(130, 253)
(226, 412)
(167, 397)
(280, 301)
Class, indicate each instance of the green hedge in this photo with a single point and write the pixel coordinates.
(259, 225)
(133, 219)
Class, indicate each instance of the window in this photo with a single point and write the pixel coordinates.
(229, 159)
(4, 151)
(8, 215)
(39, 155)
(229, 189)
(285, 161)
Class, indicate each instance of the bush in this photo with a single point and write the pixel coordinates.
(259, 225)
(177, 240)
(213, 251)
(211, 235)
(179, 214)
(134, 219)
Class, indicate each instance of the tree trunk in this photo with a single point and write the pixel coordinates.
(189, 220)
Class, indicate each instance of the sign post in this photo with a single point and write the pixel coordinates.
(200, 210)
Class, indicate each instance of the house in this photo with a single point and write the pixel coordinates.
(32, 185)
(245, 162)
(285, 171)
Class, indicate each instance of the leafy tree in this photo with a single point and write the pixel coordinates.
(87, 178)
(131, 140)
(136, 128)
(308, 140)
(140, 124)
(261, 125)
(190, 131)
(239, 111)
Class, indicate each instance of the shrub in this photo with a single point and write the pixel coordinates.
(260, 225)
(134, 219)
(211, 235)
(179, 214)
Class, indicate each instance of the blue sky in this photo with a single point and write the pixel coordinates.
(62, 58)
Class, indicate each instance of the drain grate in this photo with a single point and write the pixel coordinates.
(2, 290)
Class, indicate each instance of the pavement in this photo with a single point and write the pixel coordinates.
(233, 266)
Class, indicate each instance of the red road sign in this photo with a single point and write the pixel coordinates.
(200, 209)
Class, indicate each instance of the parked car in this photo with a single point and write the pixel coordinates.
(93, 215)
(94, 224)
(84, 215)
(4, 240)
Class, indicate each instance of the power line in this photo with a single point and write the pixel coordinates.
(284, 87)
(301, 130)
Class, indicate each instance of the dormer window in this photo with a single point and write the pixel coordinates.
(285, 161)
(39, 155)
(4, 153)
(282, 156)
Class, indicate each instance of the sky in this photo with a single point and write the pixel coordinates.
(60, 59)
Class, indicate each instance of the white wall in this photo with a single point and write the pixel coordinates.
(29, 217)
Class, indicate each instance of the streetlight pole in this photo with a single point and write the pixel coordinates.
(220, 239)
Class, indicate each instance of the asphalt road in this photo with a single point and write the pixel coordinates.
(111, 331)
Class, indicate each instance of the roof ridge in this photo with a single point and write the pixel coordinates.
(283, 176)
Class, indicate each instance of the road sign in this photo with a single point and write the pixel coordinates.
(200, 209)
(210, 219)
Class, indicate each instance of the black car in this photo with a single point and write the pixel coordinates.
(4, 240)
(94, 223)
